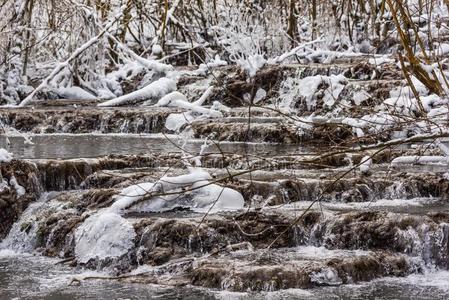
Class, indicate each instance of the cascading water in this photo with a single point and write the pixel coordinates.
(23, 234)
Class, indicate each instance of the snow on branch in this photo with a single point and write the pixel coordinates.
(147, 63)
(154, 90)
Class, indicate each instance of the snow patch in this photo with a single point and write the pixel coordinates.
(203, 69)
(5, 156)
(365, 165)
(378, 61)
(20, 190)
(215, 197)
(252, 64)
(306, 89)
(411, 160)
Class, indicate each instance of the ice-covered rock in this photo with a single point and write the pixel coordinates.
(103, 235)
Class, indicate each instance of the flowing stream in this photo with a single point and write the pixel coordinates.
(378, 238)
(94, 145)
(37, 277)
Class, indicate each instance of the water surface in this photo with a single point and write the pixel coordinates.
(36, 277)
(93, 145)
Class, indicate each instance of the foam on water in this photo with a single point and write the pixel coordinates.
(436, 279)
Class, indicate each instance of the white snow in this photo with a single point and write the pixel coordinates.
(307, 89)
(360, 96)
(439, 160)
(20, 190)
(156, 89)
(217, 105)
(406, 91)
(134, 193)
(294, 89)
(442, 49)
(156, 49)
(292, 52)
(178, 100)
(365, 165)
(203, 194)
(443, 147)
(170, 98)
(252, 64)
(131, 194)
(432, 101)
(5, 156)
(175, 122)
(260, 95)
(195, 175)
(207, 93)
(205, 68)
(377, 61)
(402, 104)
(74, 92)
(63, 65)
(106, 234)
(215, 197)
(439, 112)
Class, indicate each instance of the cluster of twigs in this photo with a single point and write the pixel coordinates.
(46, 31)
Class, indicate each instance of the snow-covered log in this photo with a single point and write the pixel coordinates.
(154, 90)
(423, 160)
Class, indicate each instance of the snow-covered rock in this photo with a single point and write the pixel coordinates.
(252, 64)
(5, 156)
(215, 197)
(20, 190)
(168, 192)
(156, 50)
(365, 165)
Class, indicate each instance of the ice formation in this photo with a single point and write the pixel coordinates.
(103, 235)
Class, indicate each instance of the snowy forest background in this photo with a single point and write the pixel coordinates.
(89, 48)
